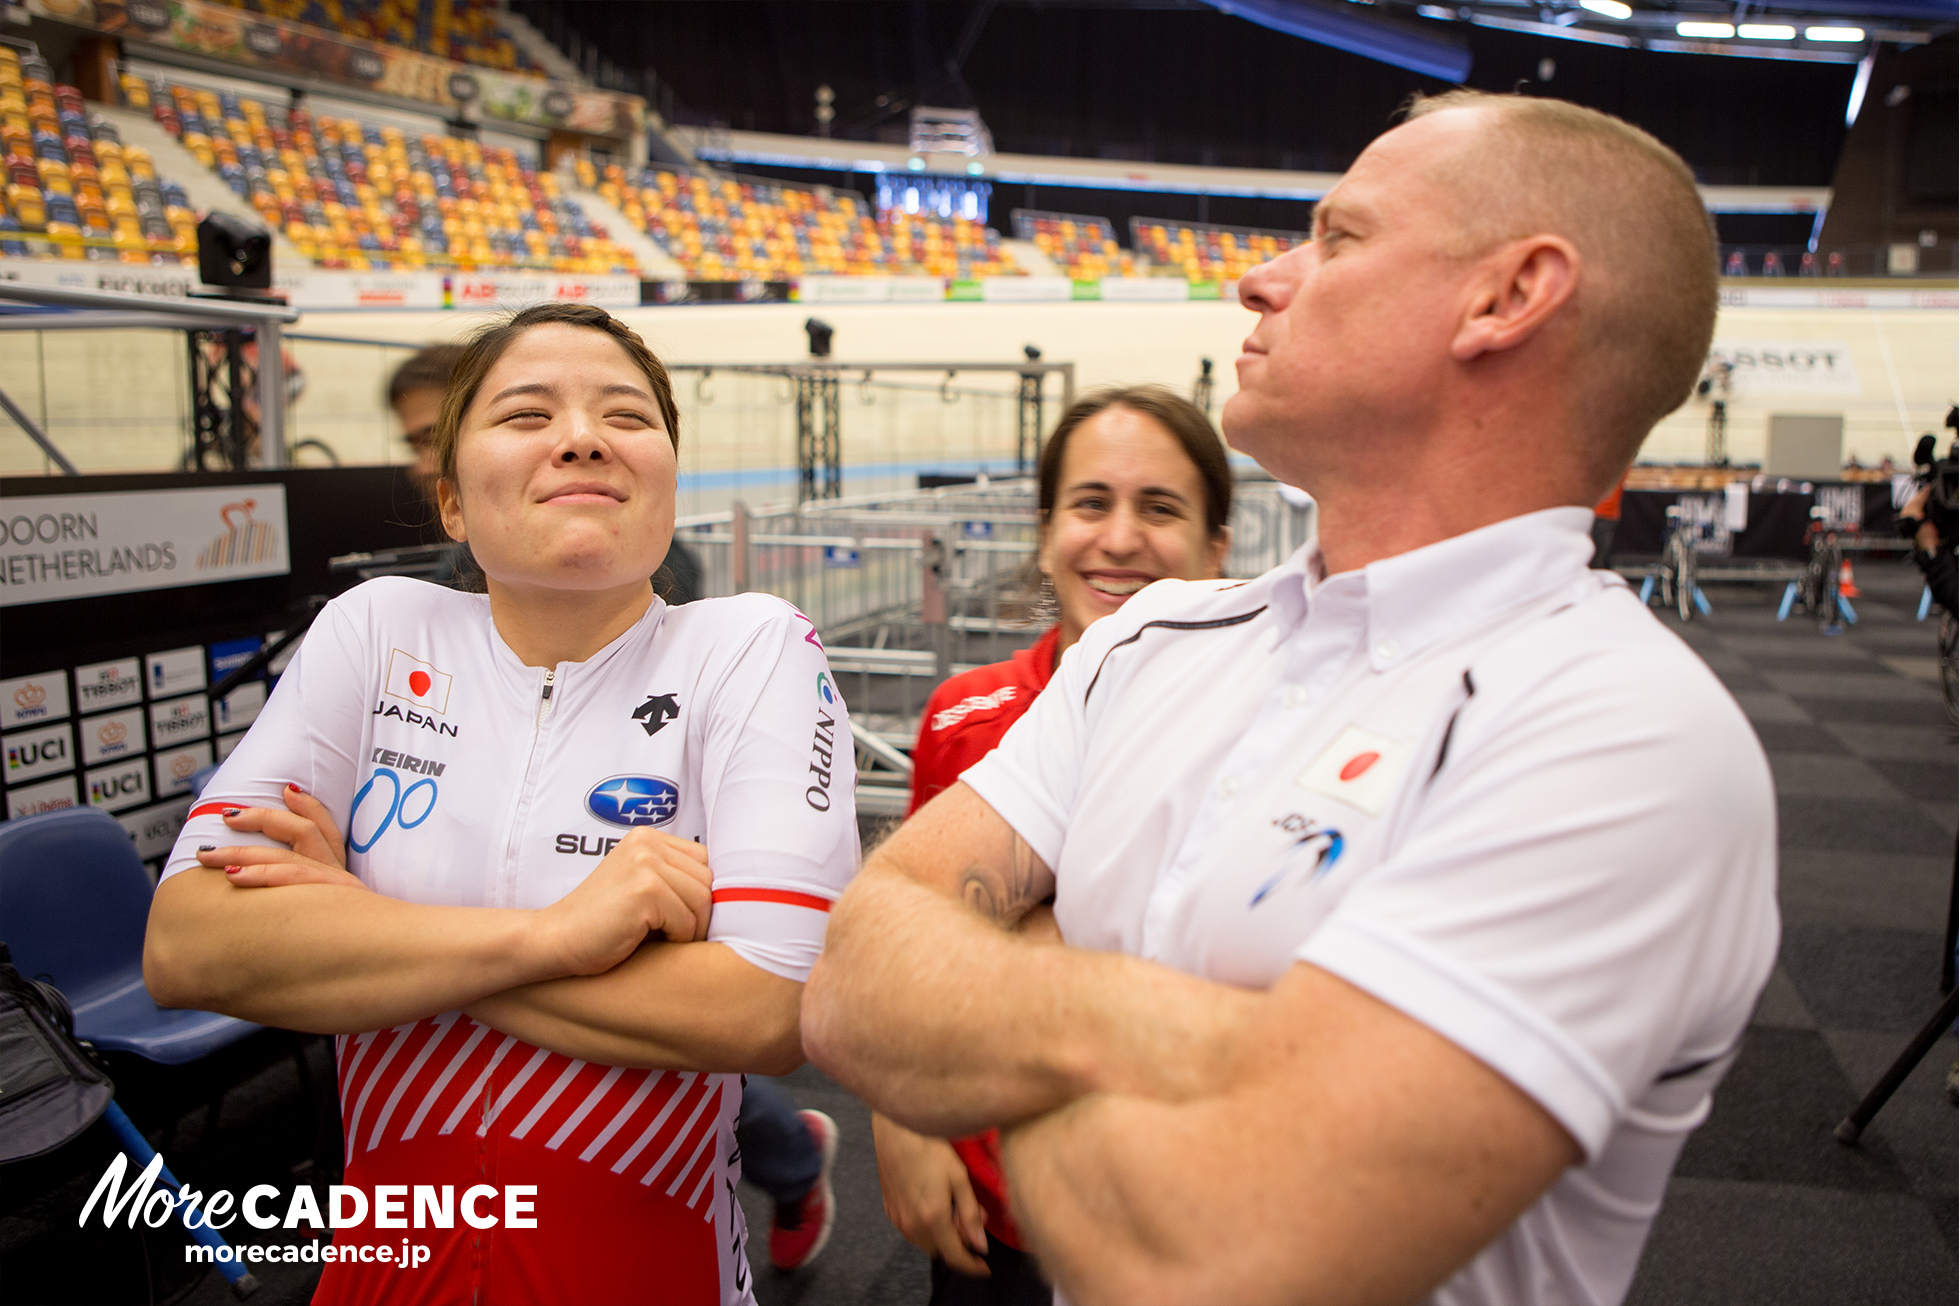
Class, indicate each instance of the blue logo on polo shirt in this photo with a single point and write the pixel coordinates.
(1326, 843)
(634, 800)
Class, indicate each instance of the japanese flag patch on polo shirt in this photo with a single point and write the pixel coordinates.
(418, 682)
(1360, 768)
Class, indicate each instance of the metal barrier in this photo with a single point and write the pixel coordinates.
(907, 589)
(249, 421)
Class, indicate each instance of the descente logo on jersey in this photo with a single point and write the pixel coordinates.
(818, 794)
(634, 800)
(414, 718)
(656, 712)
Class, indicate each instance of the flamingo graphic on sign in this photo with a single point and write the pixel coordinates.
(244, 540)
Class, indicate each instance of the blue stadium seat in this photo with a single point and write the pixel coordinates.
(74, 900)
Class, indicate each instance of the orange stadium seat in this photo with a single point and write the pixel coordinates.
(720, 229)
(1084, 247)
(355, 195)
(1202, 252)
(72, 190)
(467, 31)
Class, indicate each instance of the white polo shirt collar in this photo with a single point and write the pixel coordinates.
(1411, 601)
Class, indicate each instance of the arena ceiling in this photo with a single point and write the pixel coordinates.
(1178, 81)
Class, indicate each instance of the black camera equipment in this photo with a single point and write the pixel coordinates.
(1942, 477)
(234, 253)
(820, 333)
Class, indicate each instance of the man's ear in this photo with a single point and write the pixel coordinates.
(450, 506)
(1524, 285)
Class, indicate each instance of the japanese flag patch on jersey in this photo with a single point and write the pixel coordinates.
(418, 682)
(1360, 768)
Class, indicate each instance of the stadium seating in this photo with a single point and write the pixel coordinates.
(364, 197)
(466, 31)
(1202, 252)
(72, 190)
(725, 230)
(1084, 247)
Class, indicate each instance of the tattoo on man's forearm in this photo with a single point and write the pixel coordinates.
(1002, 894)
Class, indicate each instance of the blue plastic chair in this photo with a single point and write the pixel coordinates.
(74, 900)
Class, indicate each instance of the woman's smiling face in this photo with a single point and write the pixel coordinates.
(565, 473)
(1130, 509)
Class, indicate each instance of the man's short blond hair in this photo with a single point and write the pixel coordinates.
(1648, 292)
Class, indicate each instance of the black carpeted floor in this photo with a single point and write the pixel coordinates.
(1765, 1206)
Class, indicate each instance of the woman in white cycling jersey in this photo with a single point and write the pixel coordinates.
(590, 844)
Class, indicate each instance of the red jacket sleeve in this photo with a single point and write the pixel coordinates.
(934, 765)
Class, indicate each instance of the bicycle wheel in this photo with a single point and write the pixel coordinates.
(1949, 666)
(1672, 571)
(1826, 560)
(1684, 578)
(311, 453)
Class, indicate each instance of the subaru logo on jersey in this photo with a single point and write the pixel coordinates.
(634, 800)
(824, 691)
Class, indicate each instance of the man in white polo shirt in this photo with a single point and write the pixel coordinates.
(1418, 892)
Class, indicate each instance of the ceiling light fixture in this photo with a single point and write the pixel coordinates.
(1833, 33)
(1705, 31)
(1859, 84)
(1610, 8)
(1766, 32)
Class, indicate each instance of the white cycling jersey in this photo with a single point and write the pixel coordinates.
(463, 777)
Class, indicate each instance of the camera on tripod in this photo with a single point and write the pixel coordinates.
(1941, 478)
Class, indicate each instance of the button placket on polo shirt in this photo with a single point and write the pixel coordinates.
(1309, 662)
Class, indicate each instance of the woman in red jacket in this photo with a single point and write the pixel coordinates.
(1134, 488)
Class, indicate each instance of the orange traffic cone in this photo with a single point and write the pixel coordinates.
(1847, 586)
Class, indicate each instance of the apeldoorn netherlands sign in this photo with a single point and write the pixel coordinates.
(71, 546)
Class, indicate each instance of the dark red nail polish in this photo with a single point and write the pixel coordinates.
(295, 788)
(233, 811)
(233, 870)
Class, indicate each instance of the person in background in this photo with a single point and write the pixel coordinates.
(1928, 519)
(415, 394)
(1134, 488)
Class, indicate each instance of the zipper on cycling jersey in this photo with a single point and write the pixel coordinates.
(506, 895)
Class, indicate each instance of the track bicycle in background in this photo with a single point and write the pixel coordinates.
(1818, 590)
(1678, 565)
